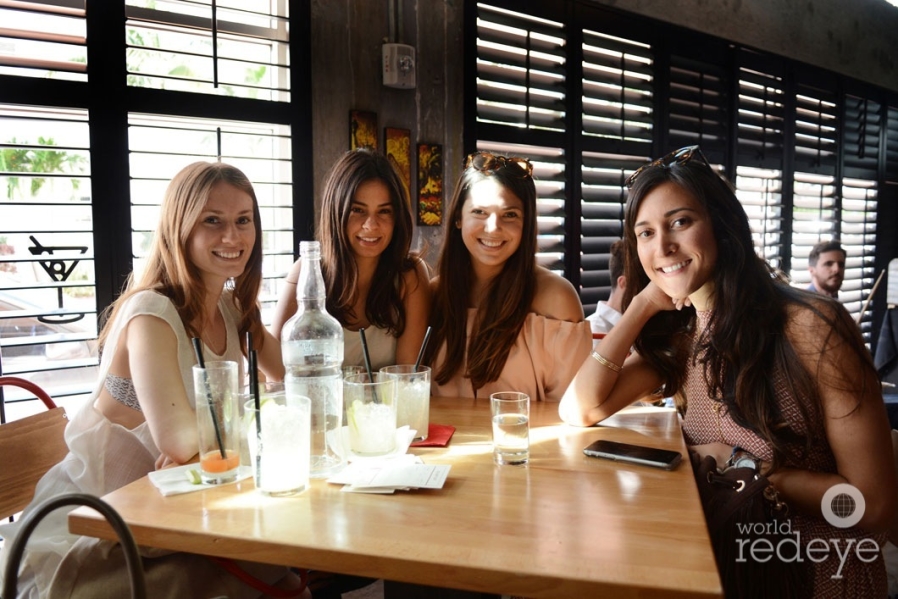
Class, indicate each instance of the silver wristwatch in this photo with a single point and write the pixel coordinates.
(741, 458)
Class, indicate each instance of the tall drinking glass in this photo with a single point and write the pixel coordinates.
(370, 413)
(413, 390)
(218, 422)
(511, 427)
(280, 444)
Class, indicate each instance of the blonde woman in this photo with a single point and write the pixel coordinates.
(201, 280)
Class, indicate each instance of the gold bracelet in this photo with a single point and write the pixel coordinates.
(605, 362)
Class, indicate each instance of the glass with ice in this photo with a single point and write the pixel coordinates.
(413, 391)
(370, 413)
(511, 427)
(284, 435)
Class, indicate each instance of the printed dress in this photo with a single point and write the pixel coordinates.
(707, 421)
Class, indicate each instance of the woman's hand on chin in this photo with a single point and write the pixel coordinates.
(660, 300)
(680, 303)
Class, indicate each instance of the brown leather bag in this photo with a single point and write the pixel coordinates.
(740, 507)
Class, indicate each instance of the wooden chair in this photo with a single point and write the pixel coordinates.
(29, 386)
(29, 447)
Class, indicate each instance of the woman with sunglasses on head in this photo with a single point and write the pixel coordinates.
(372, 280)
(500, 322)
(767, 376)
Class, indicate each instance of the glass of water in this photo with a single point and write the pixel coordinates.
(511, 427)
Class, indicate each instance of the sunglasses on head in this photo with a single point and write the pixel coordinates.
(486, 163)
(681, 156)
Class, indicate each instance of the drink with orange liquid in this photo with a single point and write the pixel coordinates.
(218, 427)
(213, 462)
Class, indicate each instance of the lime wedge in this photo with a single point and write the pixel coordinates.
(193, 475)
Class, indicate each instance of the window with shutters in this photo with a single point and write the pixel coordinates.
(48, 310)
(87, 149)
(44, 38)
(698, 105)
(521, 86)
(617, 127)
(759, 152)
(234, 48)
(861, 129)
(891, 146)
(520, 70)
(815, 203)
(805, 152)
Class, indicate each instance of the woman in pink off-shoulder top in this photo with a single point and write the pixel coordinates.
(500, 322)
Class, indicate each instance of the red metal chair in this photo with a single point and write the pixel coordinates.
(29, 386)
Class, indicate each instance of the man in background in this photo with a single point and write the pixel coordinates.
(826, 263)
(609, 312)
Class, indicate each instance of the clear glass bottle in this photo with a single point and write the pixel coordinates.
(312, 346)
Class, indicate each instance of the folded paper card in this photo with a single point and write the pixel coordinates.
(177, 480)
(404, 472)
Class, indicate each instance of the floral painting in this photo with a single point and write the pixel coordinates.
(398, 142)
(362, 130)
(430, 184)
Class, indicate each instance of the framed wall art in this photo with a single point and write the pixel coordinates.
(362, 129)
(430, 184)
(398, 149)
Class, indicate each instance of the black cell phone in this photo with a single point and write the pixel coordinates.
(634, 454)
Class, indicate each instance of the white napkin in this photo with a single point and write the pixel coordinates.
(404, 438)
(174, 481)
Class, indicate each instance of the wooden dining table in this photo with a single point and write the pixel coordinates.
(565, 525)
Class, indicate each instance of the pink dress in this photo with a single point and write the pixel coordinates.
(703, 424)
(542, 362)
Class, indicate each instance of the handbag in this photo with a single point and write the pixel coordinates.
(741, 506)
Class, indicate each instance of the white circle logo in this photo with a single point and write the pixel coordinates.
(843, 505)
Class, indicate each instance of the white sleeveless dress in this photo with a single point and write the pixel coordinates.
(104, 456)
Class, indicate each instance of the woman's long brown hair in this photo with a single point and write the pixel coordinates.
(383, 306)
(508, 297)
(746, 341)
(169, 271)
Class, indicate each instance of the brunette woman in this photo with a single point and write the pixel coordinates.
(500, 321)
(768, 376)
(373, 281)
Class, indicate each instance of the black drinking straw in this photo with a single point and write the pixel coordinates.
(254, 378)
(423, 347)
(198, 348)
(365, 354)
(367, 361)
(254, 390)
